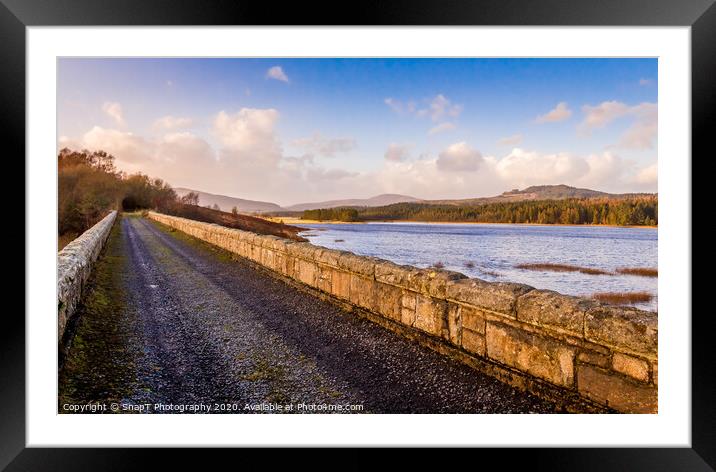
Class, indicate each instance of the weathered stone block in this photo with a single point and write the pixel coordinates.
(545, 358)
(306, 272)
(631, 366)
(436, 281)
(551, 309)
(494, 296)
(408, 304)
(388, 300)
(393, 274)
(357, 264)
(267, 257)
(454, 324)
(431, 315)
(472, 318)
(615, 391)
(279, 262)
(304, 251)
(341, 284)
(325, 277)
(473, 342)
(594, 358)
(328, 256)
(362, 292)
(290, 266)
(627, 328)
(410, 299)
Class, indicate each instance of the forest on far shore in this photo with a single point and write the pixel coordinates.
(632, 211)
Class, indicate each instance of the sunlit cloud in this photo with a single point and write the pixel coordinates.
(169, 123)
(459, 157)
(559, 113)
(277, 73)
(641, 134)
(397, 152)
(441, 128)
(326, 147)
(514, 140)
(437, 108)
(114, 111)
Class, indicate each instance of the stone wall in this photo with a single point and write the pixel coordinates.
(74, 266)
(603, 356)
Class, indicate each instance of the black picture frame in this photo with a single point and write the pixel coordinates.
(700, 15)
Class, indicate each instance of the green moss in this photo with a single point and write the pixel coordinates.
(264, 371)
(97, 365)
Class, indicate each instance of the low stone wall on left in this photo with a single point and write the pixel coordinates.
(74, 266)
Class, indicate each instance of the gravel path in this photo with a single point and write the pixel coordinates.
(176, 322)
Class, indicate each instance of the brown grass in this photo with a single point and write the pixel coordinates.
(65, 239)
(641, 271)
(623, 298)
(563, 268)
(243, 222)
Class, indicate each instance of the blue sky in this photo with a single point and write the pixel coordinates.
(291, 130)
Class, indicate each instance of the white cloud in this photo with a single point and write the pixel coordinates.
(642, 132)
(441, 107)
(438, 108)
(524, 168)
(397, 152)
(399, 107)
(559, 113)
(169, 123)
(277, 73)
(514, 140)
(394, 104)
(459, 157)
(326, 147)
(114, 111)
(442, 127)
(648, 176)
(249, 131)
(600, 115)
(126, 147)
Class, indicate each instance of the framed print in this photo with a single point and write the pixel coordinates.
(421, 225)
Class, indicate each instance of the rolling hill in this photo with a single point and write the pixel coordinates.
(378, 200)
(537, 192)
(226, 203)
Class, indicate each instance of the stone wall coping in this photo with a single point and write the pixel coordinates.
(74, 265)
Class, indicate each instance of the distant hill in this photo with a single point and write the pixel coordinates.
(538, 192)
(227, 203)
(379, 200)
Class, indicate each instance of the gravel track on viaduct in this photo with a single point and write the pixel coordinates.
(174, 320)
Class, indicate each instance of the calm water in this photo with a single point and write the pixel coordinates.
(495, 250)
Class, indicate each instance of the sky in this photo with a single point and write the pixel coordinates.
(290, 130)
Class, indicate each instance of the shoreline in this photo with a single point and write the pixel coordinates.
(298, 221)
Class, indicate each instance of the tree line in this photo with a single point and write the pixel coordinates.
(329, 214)
(89, 186)
(636, 211)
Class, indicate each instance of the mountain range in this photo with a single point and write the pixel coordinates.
(538, 192)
